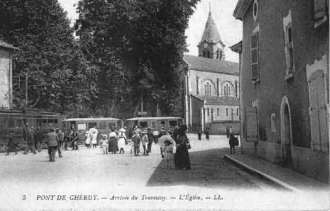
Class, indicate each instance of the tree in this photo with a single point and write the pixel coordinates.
(140, 43)
(57, 71)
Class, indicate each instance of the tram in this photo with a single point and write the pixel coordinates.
(13, 121)
(154, 123)
(82, 125)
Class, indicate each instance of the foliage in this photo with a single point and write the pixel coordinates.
(138, 47)
(59, 76)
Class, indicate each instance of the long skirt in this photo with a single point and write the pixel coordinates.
(181, 158)
(113, 146)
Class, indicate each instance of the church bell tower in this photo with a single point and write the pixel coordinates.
(211, 45)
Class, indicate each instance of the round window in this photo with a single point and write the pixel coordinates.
(255, 9)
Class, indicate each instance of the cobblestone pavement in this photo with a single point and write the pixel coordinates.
(25, 179)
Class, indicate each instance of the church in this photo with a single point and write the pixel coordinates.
(211, 86)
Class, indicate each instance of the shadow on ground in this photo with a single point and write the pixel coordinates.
(209, 169)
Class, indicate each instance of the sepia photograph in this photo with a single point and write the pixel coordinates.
(156, 105)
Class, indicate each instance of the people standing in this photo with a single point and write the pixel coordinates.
(199, 134)
(59, 138)
(181, 158)
(88, 139)
(74, 139)
(233, 141)
(207, 134)
(104, 143)
(121, 140)
(113, 142)
(136, 142)
(11, 145)
(28, 135)
(94, 132)
(38, 138)
(52, 145)
(145, 141)
(150, 140)
(165, 138)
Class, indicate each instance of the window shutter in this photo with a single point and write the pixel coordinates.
(320, 9)
(254, 56)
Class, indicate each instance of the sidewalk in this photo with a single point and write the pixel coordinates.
(282, 177)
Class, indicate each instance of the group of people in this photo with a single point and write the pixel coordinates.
(114, 142)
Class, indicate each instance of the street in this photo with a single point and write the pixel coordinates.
(87, 175)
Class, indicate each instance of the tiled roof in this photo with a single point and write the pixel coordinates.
(3, 44)
(211, 65)
(211, 33)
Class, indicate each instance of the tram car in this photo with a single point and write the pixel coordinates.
(13, 121)
(154, 123)
(82, 125)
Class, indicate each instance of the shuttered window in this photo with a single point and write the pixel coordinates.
(288, 45)
(320, 9)
(255, 56)
(197, 85)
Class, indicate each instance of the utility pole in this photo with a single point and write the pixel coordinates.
(26, 88)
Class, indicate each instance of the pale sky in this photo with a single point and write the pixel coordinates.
(229, 28)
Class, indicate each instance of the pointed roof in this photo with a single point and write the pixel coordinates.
(211, 33)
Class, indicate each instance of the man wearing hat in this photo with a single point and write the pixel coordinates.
(136, 141)
(145, 141)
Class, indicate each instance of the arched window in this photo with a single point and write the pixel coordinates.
(208, 89)
(226, 90)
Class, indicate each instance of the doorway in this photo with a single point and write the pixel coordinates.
(286, 132)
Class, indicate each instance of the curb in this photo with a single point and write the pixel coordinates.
(263, 175)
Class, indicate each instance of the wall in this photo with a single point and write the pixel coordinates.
(309, 43)
(212, 77)
(222, 113)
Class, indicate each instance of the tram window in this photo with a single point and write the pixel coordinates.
(144, 124)
(92, 124)
(102, 125)
(80, 126)
(153, 124)
(173, 123)
(11, 123)
(111, 126)
(44, 121)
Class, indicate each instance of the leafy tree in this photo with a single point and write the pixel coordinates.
(138, 46)
(59, 76)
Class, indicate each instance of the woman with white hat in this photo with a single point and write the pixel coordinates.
(121, 140)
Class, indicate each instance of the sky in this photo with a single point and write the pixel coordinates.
(229, 28)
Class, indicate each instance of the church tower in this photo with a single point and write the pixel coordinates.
(211, 45)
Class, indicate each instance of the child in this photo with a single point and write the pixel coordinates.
(168, 153)
(104, 144)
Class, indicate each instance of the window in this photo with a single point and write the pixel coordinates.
(236, 89)
(197, 85)
(218, 87)
(232, 114)
(255, 56)
(237, 111)
(218, 112)
(255, 9)
(273, 122)
(288, 42)
(226, 111)
(207, 89)
(226, 90)
(208, 112)
(320, 11)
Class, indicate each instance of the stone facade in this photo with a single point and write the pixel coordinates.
(285, 83)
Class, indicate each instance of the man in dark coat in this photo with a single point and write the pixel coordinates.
(150, 139)
(11, 145)
(52, 145)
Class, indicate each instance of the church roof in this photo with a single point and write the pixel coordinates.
(211, 34)
(211, 65)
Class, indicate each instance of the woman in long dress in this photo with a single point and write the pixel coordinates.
(181, 158)
(113, 145)
(94, 134)
(88, 139)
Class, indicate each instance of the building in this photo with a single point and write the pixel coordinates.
(211, 85)
(285, 83)
(6, 89)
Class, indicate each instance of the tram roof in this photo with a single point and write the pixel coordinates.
(154, 118)
(91, 119)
